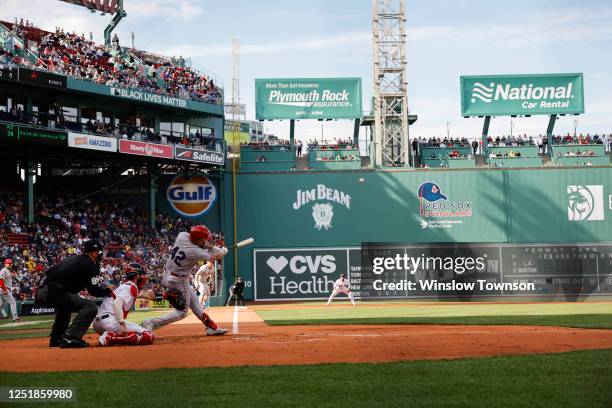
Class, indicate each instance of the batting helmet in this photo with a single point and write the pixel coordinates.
(198, 232)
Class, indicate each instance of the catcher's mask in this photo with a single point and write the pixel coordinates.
(135, 269)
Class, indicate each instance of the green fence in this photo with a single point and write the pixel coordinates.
(459, 163)
(443, 152)
(339, 209)
(274, 159)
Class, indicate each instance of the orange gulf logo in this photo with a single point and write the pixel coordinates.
(191, 197)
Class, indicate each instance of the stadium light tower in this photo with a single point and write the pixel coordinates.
(113, 7)
(392, 146)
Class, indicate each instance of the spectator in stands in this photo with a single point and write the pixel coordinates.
(299, 148)
(475, 146)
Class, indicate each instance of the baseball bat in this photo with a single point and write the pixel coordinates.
(242, 243)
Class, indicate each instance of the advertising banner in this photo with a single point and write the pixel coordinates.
(92, 142)
(139, 95)
(503, 95)
(443, 270)
(146, 149)
(199, 156)
(298, 273)
(308, 98)
(30, 135)
(40, 78)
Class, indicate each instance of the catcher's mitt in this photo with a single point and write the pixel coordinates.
(175, 298)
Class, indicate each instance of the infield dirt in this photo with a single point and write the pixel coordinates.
(184, 344)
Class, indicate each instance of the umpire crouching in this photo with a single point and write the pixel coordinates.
(64, 281)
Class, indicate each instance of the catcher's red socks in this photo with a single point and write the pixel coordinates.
(208, 322)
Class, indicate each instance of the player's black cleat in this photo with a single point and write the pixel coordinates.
(55, 342)
(71, 342)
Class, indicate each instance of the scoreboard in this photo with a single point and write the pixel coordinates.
(435, 270)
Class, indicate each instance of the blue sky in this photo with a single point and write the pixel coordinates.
(331, 38)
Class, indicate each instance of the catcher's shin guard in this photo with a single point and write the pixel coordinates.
(128, 339)
(208, 322)
(146, 338)
(114, 339)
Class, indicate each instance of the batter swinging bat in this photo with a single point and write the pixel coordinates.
(242, 243)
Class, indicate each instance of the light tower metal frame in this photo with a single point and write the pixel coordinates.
(392, 145)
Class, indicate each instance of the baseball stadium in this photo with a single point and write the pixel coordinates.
(154, 235)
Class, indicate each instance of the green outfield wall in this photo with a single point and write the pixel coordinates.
(344, 209)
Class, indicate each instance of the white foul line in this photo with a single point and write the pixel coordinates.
(235, 320)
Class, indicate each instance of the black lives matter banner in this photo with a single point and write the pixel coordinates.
(436, 271)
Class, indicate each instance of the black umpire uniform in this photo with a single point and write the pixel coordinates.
(239, 291)
(64, 281)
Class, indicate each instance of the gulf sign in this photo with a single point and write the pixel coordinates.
(191, 197)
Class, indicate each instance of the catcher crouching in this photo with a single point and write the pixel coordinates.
(189, 249)
(110, 322)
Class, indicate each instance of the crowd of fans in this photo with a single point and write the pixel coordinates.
(337, 157)
(279, 145)
(582, 139)
(62, 225)
(576, 153)
(335, 145)
(505, 155)
(58, 120)
(73, 55)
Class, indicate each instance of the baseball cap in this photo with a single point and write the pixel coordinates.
(431, 192)
(8, 262)
(91, 246)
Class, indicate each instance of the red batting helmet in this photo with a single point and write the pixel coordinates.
(198, 232)
(8, 262)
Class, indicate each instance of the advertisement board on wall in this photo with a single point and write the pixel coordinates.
(92, 142)
(540, 94)
(308, 98)
(146, 149)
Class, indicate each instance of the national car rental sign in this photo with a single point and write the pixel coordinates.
(522, 95)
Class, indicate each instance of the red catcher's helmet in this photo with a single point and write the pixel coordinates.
(8, 262)
(198, 232)
(134, 269)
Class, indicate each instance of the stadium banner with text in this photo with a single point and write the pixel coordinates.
(139, 95)
(199, 156)
(440, 270)
(29, 135)
(40, 78)
(92, 142)
(521, 95)
(308, 98)
(146, 149)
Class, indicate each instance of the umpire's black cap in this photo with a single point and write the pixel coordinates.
(91, 246)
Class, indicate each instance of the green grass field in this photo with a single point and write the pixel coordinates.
(574, 379)
(586, 315)
(577, 379)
